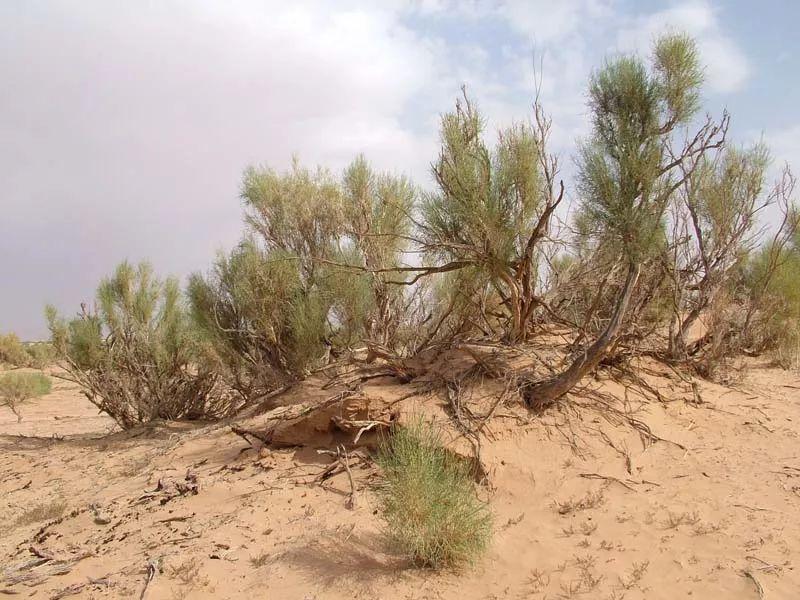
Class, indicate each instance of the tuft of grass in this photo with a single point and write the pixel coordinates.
(590, 500)
(259, 560)
(16, 387)
(675, 520)
(41, 512)
(428, 500)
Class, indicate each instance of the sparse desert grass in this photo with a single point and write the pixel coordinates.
(538, 581)
(586, 580)
(188, 573)
(41, 512)
(591, 499)
(635, 575)
(428, 500)
(17, 387)
(675, 520)
(259, 560)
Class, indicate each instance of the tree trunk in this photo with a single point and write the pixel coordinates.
(541, 394)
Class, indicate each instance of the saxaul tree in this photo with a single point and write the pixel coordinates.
(492, 210)
(715, 227)
(377, 222)
(136, 355)
(309, 276)
(629, 169)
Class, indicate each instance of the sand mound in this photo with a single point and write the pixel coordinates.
(615, 494)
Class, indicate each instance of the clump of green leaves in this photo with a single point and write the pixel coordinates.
(16, 387)
(428, 500)
(136, 355)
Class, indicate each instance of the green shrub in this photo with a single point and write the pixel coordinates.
(428, 500)
(12, 351)
(137, 355)
(17, 387)
(40, 354)
(775, 326)
(306, 279)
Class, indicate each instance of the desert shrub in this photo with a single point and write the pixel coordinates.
(136, 354)
(307, 280)
(428, 500)
(775, 324)
(40, 354)
(17, 387)
(264, 326)
(12, 351)
(491, 211)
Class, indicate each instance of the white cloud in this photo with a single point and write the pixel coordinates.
(128, 125)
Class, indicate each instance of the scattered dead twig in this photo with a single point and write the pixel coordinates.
(352, 500)
(759, 588)
(172, 519)
(754, 508)
(152, 569)
(767, 567)
(607, 478)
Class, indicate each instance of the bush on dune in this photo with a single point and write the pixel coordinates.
(12, 351)
(17, 387)
(428, 500)
(135, 355)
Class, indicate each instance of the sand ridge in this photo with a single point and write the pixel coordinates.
(584, 506)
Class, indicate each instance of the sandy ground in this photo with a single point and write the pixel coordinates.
(583, 507)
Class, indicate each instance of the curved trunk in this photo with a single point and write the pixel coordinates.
(544, 393)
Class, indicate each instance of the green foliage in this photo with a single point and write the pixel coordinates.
(41, 354)
(625, 175)
(777, 323)
(12, 351)
(377, 224)
(307, 276)
(492, 209)
(263, 324)
(487, 199)
(428, 500)
(136, 355)
(17, 387)
(723, 196)
(298, 212)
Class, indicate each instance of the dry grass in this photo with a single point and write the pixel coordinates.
(675, 520)
(42, 512)
(592, 499)
(259, 560)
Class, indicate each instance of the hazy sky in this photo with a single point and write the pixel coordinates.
(125, 126)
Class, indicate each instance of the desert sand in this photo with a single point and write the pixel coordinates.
(584, 505)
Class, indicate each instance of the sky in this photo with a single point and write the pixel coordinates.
(125, 126)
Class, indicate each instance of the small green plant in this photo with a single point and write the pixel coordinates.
(428, 500)
(17, 387)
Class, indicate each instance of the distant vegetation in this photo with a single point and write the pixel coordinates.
(16, 354)
(16, 387)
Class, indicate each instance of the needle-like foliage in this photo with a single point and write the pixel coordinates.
(428, 500)
(136, 354)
